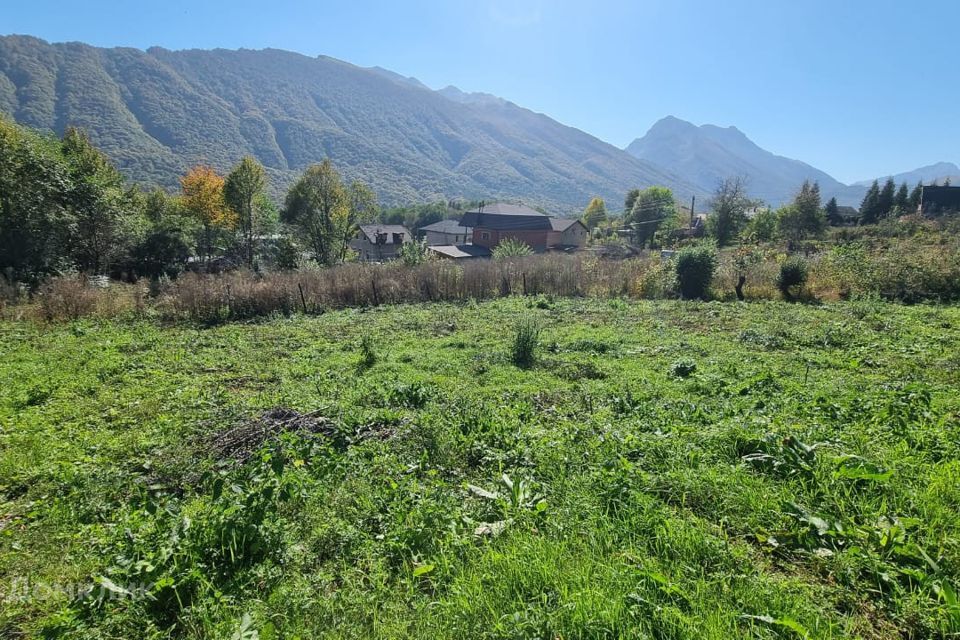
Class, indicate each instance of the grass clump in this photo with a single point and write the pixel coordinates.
(526, 339)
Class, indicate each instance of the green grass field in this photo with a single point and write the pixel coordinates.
(663, 470)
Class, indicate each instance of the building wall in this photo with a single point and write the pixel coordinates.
(537, 239)
(435, 238)
(575, 236)
(369, 252)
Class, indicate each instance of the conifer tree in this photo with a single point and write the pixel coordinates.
(870, 207)
(887, 195)
(832, 212)
(901, 202)
(915, 196)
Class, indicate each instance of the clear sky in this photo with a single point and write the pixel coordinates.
(858, 88)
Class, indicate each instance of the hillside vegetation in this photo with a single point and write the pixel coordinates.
(630, 469)
(157, 112)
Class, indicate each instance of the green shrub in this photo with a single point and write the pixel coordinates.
(695, 267)
(512, 248)
(793, 273)
(368, 353)
(523, 352)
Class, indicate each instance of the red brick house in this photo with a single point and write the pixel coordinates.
(494, 223)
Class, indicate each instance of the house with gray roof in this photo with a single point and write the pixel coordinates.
(380, 242)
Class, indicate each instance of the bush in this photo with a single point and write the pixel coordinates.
(793, 273)
(67, 298)
(512, 248)
(695, 267)
(523, 352)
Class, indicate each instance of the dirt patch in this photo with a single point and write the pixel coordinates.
(241, 442)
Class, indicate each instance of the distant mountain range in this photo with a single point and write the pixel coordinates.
(157, 112)
(934, 172)
(707, 154)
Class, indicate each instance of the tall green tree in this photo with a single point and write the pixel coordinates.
(651, 207)
(728, 211)
(35, 222)
(595, 213)
(832, 212)
(327, 212)
(245, 189)
(804, 217)
(901, 201)
(630, 200)
(915, 197)
(870, 207)
(887, 196)
(103, 212)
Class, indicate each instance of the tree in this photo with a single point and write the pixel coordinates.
(947, 182)
(102, 212)
(630, 200)
(326, 211)
(901, 201)
(804, 217)
(595, 213)
(886, 200)
(728, 211)
(763, 226)
(915, 196)
(651, 207)
(243, 190)
(35, 222)
(870, 207)
(202, 197)
(832, 212)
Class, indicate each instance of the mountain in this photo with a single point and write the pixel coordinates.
(157, 112)
(934, 172)
(705, 155)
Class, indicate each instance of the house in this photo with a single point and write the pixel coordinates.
(459, 251)
(494, 223)
(568, 234)
(939, 200)
(379, 242)
(446, 232)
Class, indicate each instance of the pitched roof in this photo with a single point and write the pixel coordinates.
(447, 226)
(461, 250)
(562, 224)
(507, 209)
(503, 216)
(370, 231)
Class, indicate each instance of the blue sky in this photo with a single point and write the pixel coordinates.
(857, 88)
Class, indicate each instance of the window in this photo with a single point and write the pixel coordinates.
(484, 235)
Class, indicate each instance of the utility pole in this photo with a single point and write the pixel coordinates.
(693, 205)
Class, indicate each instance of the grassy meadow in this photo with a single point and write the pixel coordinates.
(660, 469)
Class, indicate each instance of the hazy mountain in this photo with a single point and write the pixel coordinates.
(157, 111)
(939, 172)
(707, 154)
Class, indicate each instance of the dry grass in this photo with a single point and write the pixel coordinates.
(908, 270)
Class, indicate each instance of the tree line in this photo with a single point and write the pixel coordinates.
(64, 206)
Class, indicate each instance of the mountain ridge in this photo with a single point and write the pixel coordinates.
(156, 112)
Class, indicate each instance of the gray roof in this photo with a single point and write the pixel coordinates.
(507, 209)
(562, 224)
(447, 226)
(503, 216)
(370, 231)
(461, 250)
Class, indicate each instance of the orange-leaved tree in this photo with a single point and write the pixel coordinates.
(202, 196)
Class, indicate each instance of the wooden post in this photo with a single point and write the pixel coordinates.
(303, 298)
